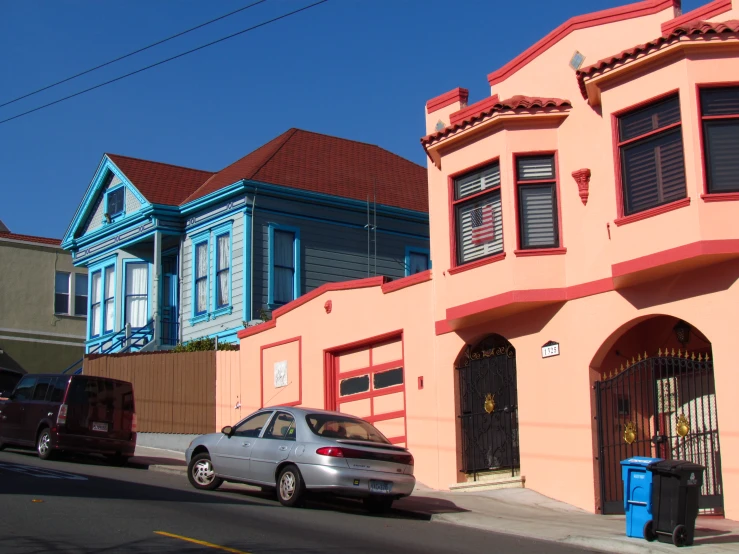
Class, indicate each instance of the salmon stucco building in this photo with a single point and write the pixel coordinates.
(582, 305)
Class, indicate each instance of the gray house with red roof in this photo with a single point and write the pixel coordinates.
(175, 253)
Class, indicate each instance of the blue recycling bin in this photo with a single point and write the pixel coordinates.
(637, 494)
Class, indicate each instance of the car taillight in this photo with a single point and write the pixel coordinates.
(332, 451)
(411, 461)
(134, 425)
(61, 419)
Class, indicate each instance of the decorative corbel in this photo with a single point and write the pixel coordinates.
(582, 178)
(327, 306)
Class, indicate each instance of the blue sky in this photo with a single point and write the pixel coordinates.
(359, 69)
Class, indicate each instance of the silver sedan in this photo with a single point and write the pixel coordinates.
(299, 450)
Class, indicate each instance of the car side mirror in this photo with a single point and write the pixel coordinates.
(228, 431)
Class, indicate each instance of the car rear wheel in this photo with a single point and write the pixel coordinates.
(43, 445)
(290, 488)
(201, 474)
(378, 504)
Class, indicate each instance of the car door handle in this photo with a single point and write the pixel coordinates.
(283, 448)
(246, 444)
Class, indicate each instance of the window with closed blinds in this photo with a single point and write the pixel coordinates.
(283, 267)
(537, 202)
(477, 214)
(720, 115)
(652, 159)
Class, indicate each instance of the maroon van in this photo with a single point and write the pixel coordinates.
(70, 413)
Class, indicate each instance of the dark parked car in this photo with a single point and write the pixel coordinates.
(70, 413)
(8, 380)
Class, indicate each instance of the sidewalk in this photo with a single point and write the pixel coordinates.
(521, 512)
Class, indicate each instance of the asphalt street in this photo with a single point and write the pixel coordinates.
(84, 505)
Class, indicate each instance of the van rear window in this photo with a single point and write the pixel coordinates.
(93, 390)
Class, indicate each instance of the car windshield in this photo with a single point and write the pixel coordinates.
(332, 426)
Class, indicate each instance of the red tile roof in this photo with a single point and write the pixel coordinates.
(485, 108)
(161, 183)
(329, 165)
(692, 29)
(30, 238)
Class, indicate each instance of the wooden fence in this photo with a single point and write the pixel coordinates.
(173, 392)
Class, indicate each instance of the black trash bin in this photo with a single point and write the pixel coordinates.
(676, 489)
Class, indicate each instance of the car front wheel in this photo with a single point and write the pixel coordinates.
(201, 474)
(43, 445)
(290, 489)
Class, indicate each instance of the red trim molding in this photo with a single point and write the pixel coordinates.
(505, 299)
(540, 252)
(678, 254)
(300, 370)
(447, 99)
(327, 287)
(712, 9)
(646, 214)
(476, 263)
(721, 197)
(621, 13)
(409, 281)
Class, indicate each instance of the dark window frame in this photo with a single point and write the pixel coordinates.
(109, 194)
(68, 294)
(276, 266)
(706, 121)
(457, 204)
(620, 145)
(553, 184)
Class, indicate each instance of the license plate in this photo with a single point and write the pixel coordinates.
(382, 487)
(97, 426)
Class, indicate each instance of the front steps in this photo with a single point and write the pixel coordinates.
(490, 480)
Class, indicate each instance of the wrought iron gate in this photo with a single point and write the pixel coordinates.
(489, 407)
(661, 407)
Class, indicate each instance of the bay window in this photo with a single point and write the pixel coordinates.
(477, 214)
(137, 294)
(650, 145)
(720, 118)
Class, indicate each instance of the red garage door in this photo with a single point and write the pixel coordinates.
(369, 382)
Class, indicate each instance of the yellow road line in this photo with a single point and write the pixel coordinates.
(201, 543)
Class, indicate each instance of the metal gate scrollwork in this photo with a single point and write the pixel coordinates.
(662, 407)
(489, 406)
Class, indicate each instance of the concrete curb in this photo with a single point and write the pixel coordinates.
(173, 470)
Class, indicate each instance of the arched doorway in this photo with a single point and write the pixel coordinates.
(488, 407)
(660, 402)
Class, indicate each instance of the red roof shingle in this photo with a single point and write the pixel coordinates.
(329, 165)
(30, 238)
(161, 183)
(692, 29)
(489, 106)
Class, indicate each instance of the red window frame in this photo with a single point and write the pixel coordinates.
(622, 219)
(520, 250)
(455, 267)
(708, 196)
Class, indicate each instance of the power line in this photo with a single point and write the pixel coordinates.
(132, 53)
(165, 61)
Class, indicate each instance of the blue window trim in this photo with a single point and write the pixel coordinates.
(122, 213)
(221, 230)
(271, 258)
(100, 266)
(414, 250)
(103, 311)
(126, 262)
(93, 333)
(197, 240)
(246, 262)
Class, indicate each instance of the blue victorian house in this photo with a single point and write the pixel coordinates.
(175, 254)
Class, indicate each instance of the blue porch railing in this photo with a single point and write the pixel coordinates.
(138, 338)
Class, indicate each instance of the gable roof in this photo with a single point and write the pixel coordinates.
(160, 183)
(329, 165)
(690, 30)
(30, 238)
